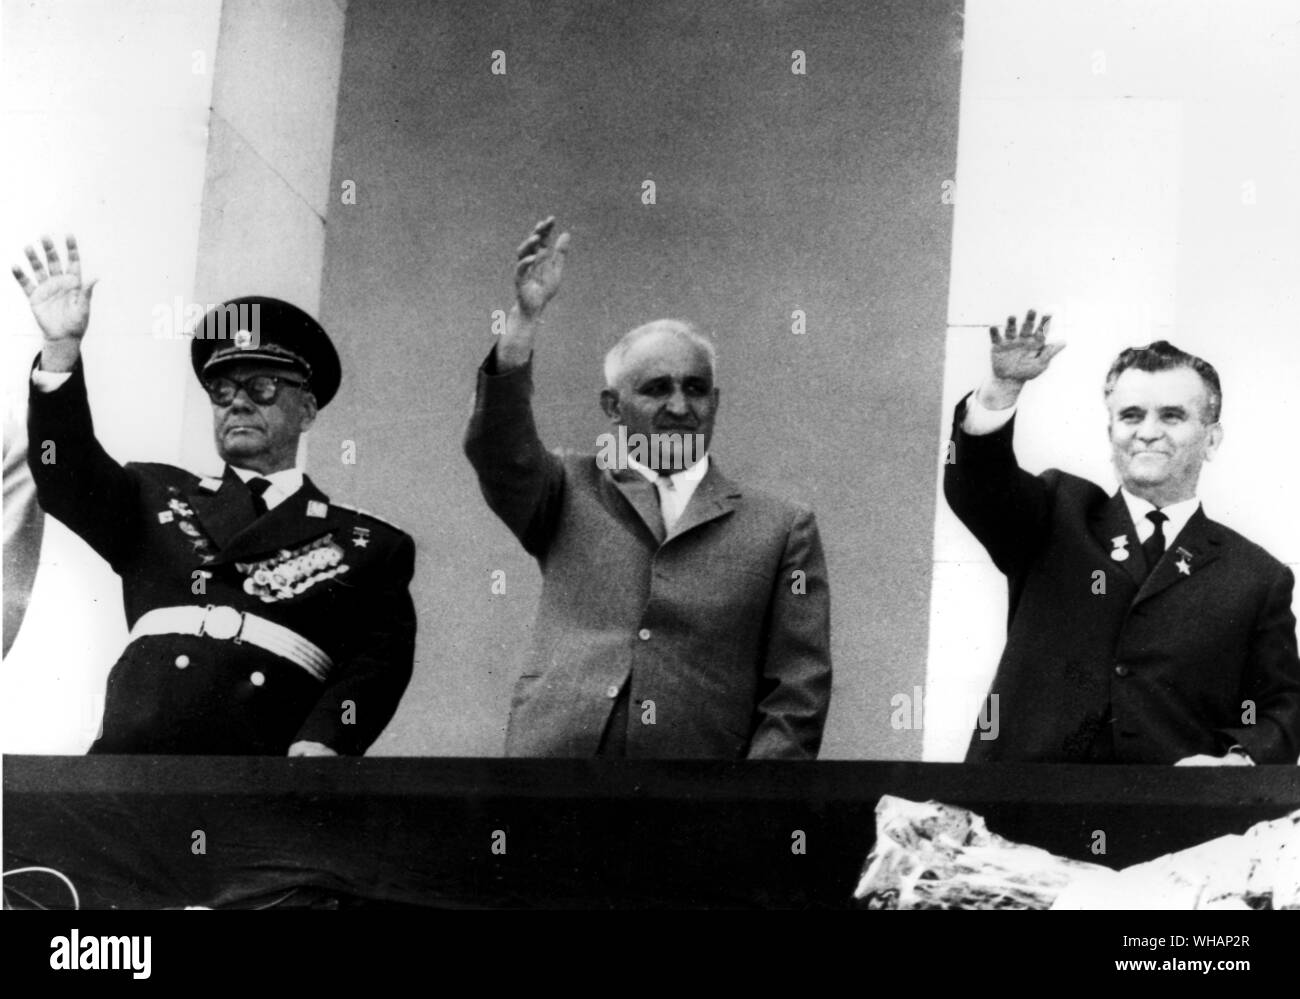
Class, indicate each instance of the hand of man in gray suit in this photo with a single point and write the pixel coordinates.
(538, 269)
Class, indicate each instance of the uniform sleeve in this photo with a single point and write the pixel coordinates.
(1271, 692)
(1004, 506)
(368, 680)
(76, 480)
(522, 482)
(795, 686)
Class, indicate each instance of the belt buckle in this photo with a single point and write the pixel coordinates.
(222, 623)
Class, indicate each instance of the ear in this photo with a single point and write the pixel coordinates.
(307, 416)
(1213, 438)
(610, 404)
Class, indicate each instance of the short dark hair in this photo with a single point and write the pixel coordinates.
(1164, 356)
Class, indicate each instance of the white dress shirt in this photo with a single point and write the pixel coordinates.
(675, 490)
(1178, 513)
(284, 484)
(48, 381)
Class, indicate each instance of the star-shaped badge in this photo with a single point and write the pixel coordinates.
(1183, 566)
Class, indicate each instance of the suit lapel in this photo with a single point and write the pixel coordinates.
(1112, 521)
(1196, 546)
(223, 512)
(714, 497)
(641, 493)
(284, 527)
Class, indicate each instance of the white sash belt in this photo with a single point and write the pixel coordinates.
(226, 623)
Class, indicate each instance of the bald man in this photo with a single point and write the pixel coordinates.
(681, 615)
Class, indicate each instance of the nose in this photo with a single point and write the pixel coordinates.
(676, 404)
(241, 402)
(1150, 430)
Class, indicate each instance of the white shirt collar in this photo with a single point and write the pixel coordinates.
(687, 478)
(1178, 513)
(284, 483)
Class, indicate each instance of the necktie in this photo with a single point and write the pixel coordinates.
(257, 486)
(667, 500)
(1154, 546)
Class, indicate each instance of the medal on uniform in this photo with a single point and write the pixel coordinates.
(180, 508)
(1120, 552)
(165, 516)
(315, 508)
(1184, 563)
(360, 537)
(291, 573)
(188, 528)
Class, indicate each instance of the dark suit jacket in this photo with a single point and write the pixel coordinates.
(177, 540)
(1103, 665)
(711, 630)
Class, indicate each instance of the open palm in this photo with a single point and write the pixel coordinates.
(1024, 356)
(59, 301)
(539, 268)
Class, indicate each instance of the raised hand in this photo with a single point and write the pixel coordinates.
(538, 268)
(59, 301)
(1020, 357)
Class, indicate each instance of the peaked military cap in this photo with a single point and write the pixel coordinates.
(269, 331)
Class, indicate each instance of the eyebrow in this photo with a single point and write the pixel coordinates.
(1162, 410)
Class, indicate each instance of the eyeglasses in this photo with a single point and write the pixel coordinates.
(261, 389)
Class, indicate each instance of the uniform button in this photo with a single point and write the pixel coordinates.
(612, 690)
(1122, 670)
(182, 662)
(644, 634)
(257, 678)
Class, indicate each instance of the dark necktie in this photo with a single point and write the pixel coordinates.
(257, 486)
(1154, 546)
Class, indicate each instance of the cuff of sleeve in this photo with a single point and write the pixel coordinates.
(980, 421)
(48, 381)
(492, 369)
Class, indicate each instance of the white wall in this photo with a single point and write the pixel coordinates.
(1130, 167)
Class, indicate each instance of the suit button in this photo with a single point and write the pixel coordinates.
(611, 691)
(182, 662)
(644, 634)
(257, 678)
(1122, 670)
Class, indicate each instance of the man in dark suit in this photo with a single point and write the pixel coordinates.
(264, 618)
(1139, 630)
(681, 615)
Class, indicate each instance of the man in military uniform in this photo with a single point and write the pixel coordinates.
(264, 618)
